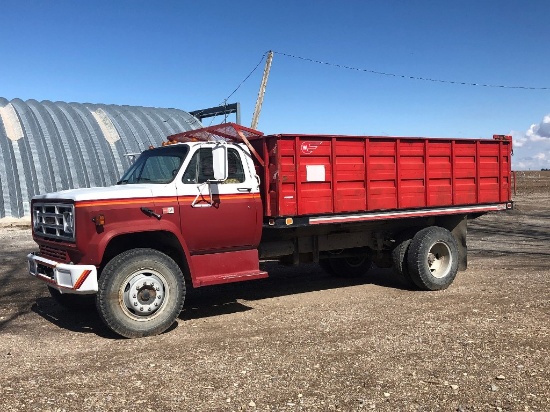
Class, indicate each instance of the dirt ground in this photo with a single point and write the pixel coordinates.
(302, 340)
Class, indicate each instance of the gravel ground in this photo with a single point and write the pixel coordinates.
(302, 340)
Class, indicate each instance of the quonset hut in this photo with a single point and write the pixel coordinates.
(49, 146)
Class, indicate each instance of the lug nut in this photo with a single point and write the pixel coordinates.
(135, 303)
(141, 309)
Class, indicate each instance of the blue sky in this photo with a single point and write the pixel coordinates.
(192, 55)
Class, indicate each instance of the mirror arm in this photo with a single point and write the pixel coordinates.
(196, 202)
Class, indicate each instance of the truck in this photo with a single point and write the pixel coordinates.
(210, 205)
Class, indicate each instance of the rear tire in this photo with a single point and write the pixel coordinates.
(400, 265)
(141, 293)
(433, 258)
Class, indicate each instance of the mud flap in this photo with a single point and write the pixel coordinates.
(459, 232)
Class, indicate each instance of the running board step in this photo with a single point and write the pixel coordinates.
(232, 277)
(225, 267)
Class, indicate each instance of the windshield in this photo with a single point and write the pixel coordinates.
(156, 165)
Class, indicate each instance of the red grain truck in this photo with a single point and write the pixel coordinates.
(210, 204)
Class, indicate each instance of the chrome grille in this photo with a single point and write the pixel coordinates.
(53, 220)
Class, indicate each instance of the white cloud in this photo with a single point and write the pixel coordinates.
(532, 147)
(518, 138)
(541, 131)
(537, 138)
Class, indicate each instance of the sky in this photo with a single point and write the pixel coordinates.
(192, 55)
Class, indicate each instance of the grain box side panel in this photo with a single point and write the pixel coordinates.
(412, 178)
(349, 175)
(314, 167)
(272, 177)
(489, 188)
(382, 174)
(505, 167)
(465, 172)
(286, 177)
(439, 174)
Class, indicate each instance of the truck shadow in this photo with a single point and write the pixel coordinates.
(80, 321)
(84, 320)
(282, 281)
(223, 299)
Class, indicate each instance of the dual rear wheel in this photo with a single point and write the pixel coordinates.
(428, 260)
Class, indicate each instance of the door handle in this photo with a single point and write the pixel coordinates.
(149, 212)
(244, 189)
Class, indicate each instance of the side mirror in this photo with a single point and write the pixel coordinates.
(219, 159)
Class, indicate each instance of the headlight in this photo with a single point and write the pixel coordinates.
(36, 217)
(68, 222)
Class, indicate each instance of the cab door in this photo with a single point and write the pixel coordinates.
(219, 216)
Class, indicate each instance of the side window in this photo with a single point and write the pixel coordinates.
(200, 168)
(234, 167)
(160, 169)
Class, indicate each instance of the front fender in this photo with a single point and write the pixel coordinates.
(93, 239)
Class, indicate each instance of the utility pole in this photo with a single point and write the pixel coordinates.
(261, 93)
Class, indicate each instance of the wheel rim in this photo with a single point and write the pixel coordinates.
(440, 260)
(142, 294)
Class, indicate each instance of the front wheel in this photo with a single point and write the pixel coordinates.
(141, 293)
(433, 258)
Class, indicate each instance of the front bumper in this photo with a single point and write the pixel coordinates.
(66, 278)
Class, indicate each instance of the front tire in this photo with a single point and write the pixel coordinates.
(433, 258)
(141, 293)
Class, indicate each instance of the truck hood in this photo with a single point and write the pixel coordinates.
(99, 193)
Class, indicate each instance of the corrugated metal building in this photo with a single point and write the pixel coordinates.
(49, 146)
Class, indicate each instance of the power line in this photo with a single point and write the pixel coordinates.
(246, 78)
(403, 76)
(224, 101)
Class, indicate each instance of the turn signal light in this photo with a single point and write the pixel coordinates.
(99, 220)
